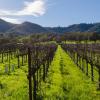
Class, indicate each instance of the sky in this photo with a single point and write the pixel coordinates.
(50, 12)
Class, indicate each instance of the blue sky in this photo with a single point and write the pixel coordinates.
(51, 12)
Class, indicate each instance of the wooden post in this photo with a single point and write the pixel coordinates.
(77, 59)
(92, 75)
(47, 66)
(82, 64)
(79, 62)
(9, 61)
(29, 74)
(44, 72)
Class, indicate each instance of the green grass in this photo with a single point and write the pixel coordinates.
(13, 85)
(74, 42)
(66, 82)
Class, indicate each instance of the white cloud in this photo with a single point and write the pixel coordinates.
(34, 8)
(12, 20)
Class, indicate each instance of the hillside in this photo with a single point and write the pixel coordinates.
(5, 26)
(96, 28)
(76, 28)
(32, 28)
(27, 28)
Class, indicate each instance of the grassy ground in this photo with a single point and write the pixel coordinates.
(14, 86)
(66, 82)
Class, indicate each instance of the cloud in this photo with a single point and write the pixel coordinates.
(34, 8)
(12, 20)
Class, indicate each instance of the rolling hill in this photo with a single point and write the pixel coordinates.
(77, 28)
(5, 26)
(32, 28)
(27, 28)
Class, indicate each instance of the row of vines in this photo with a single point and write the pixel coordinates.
(38, 57)
(87, 58)
(12, 56)
(39, 60)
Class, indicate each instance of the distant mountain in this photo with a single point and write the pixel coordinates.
(57, 29)
(5, 26)
(95, 28)
(27, 28)
(79, 27)
(75, 28)
(21, 29)
(32, 28)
